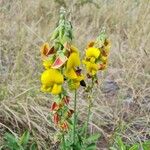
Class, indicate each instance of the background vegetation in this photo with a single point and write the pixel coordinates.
(122, 99)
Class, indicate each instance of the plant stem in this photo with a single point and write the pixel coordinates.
(89, 107)
(63, 142)
(88, 117)
(74, 120)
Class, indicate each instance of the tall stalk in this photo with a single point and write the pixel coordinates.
(75, 117)
(63, 142)
(90, 104)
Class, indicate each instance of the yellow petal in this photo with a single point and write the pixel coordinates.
(92, 68)
(74, 49)
(74, 85)
(47, 64)
(92, 52)
(51, 76)
(57, 76)
(71, 74)
(104, 59)
(92, 60)
(73, 61)
(46, 78)
(45, 89)
(79, 78)
(56, 89)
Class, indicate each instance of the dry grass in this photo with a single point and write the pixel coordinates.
(122, 100)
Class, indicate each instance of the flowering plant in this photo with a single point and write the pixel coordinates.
(61, 60)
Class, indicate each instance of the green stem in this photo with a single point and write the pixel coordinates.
(63, 142)
(89, 107)
(88, 117)
(74, 119)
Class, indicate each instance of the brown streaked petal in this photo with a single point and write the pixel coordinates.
(66, 100)
(56, 118)
(54, 106)
(90, 44)
(60, 60)
(50, 51)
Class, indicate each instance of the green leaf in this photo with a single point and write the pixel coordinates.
(33, 146)
(91, 146)
(10, 138)
(92, 138)
(121, 144)
(55, 34)
(146, 145)
(82, 129)
(12, 142)
(24, 138)
(134, 147)
(80, 139)
(76, 146)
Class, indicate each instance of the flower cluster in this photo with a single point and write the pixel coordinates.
(61, 62)
(60, 66)
(96, 55)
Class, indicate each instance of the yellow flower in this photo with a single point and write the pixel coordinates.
(71, 74)
(92, 52)
(75, 83)
(74, 49)
(56, 89)
(73, 61)
(91, 68)
(52, 81)
(104, 59)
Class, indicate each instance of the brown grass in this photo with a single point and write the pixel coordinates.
(122, 100)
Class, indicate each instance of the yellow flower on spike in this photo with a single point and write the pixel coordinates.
(104, 59)
(91, 68)
(52, 81)
(74, 49)
(92, 52)
(73, 61)
(75, 83)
